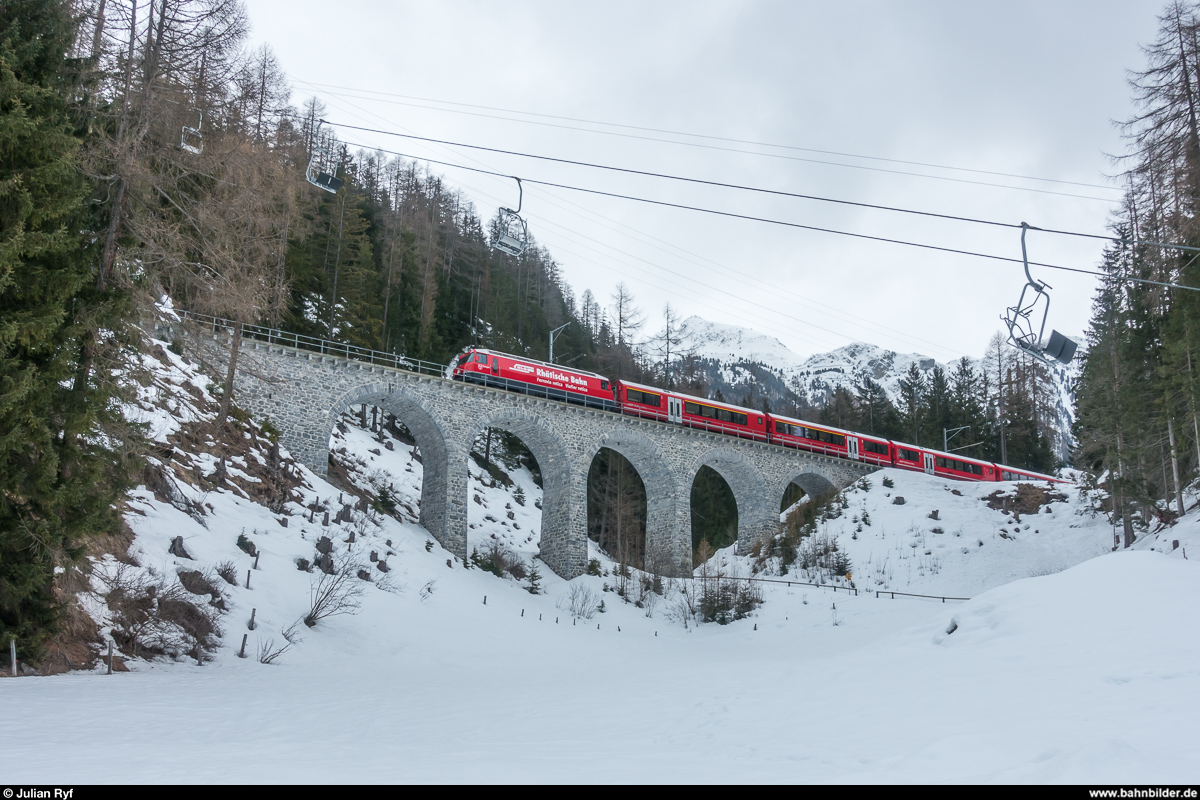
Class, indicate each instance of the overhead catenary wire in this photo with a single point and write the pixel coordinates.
(758, 189)
(784, 223)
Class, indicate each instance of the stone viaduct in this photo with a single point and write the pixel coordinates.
(304, 393)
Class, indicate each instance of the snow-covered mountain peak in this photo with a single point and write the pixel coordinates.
(819, 375)
(721, 342)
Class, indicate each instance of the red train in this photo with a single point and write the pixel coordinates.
(553, 381)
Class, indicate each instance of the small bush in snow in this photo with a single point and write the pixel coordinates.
(338, 591)
(228, 572)
(519, 496)
(269, 652)
(535, 580)
(152, 616)
(581, 602)
(723, 601)
(594, 568)
(888, 483)
(499, 560)
(246, 545)
(384, 503)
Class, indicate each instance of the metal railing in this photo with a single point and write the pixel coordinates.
(313, 344)
(833, 586)
(909, 594)
(380, 358)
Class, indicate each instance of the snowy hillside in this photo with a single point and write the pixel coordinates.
(427, 670)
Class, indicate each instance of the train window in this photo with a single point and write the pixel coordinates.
(708, 411)
(961, 466)
(835, 439)
(760, 420)
(781, 427)
(603, 384)
(875, 447)
(691, 408)
(482, 359)
(464, 358)
(724, 415)
(645, 398)
(907, 455)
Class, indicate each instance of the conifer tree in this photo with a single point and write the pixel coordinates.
(57, 484)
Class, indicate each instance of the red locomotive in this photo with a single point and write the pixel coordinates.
(555, 382)
(528, 376)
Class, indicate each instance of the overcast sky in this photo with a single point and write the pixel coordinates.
(1021, 88)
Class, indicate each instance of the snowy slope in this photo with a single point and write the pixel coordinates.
(448, 674)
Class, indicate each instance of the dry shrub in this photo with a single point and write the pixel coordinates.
(196, 582)
(500, 560)
(582, 602)
(228, 572)
(1028, 498)
(269, 652)
(338, 591)
(153, 616)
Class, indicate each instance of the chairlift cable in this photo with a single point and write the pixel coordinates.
(776, 192)
(770, 221)
(734, 141)
(691, 257)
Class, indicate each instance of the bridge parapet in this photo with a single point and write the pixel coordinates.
(304, 390)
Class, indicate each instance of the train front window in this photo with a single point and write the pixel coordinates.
(464, 358)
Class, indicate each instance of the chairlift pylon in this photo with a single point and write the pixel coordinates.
(192, 139)
(514, 232)
(322, 166)
(1022, 318)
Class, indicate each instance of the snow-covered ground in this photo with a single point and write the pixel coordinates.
(1070, 664)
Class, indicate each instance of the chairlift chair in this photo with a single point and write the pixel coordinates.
(322, 166)
(1033, 310)
(514, 232)
(191, 139)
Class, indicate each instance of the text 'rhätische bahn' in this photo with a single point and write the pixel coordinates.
(555, 382)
